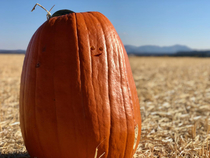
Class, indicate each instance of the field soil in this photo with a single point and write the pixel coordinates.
(174, 98)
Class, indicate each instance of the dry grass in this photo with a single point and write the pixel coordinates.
(10, 136)
(175, 106)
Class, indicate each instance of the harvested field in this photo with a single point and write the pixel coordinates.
(175, 106)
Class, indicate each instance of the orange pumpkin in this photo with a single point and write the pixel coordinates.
(77, 92)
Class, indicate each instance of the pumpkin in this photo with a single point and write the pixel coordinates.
(77, 93)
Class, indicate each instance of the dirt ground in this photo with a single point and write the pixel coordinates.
(175, 106)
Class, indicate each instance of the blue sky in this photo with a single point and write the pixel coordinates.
(138, 22)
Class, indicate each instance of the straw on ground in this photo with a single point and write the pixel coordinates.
(175, 106)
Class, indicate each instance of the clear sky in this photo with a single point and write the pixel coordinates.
(138, 22)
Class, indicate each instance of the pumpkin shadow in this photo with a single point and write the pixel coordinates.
(15, 155)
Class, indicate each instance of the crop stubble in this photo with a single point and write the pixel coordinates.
(174, 97)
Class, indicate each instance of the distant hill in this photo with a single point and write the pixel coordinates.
(203, 53)
(12, 51)
(150, 49)
(147, 49)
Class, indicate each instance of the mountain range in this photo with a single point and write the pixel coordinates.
(148, 50)
(151, 49)
(18, 51)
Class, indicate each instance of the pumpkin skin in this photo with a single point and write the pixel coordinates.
(77, 92)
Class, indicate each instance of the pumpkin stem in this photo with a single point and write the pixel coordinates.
(48, 12)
